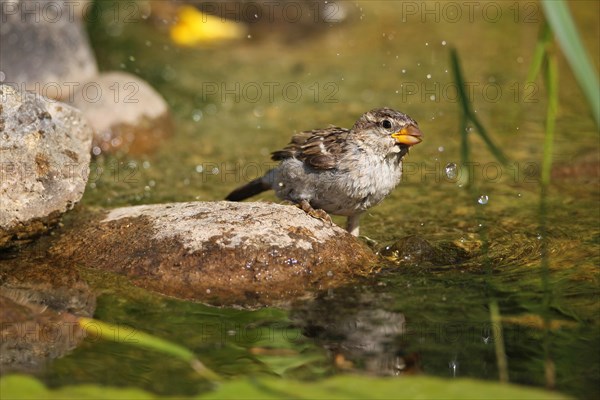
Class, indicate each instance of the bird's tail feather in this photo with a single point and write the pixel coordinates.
(248, 190)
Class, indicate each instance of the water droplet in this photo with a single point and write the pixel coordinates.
(148, 43)
(208, 291)
(258, 112)
(146, 164)
(403, 71)
(329, 273)
(432, 98)
(215, 171)
(151, 183)
(441, 149)
(451, 170)
(197, 115)
(483, 199)
(96, 150)
(131, 58)
(428, 76)
(453, 365)
(443, 42)
(199, 168)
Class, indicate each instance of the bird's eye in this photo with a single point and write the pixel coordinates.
(386, 124)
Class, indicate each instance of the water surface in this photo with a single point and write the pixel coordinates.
(433, 318)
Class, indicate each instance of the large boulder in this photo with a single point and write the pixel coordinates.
(44, 163)
(126, 113)
(246, 254)
(45, 47)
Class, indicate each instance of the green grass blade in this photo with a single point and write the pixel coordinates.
(460, 82)
(562, 25)
(539, 54)
(552, 88)
(495, 150)
(468, 112)
(465, 153)
(144, 340)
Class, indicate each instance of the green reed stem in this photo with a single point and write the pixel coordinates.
(467, 116)
(551, 80)
(498, 336)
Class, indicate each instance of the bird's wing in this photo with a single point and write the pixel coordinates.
(320, 149)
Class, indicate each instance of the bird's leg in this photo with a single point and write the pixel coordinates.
(305, 206)
(353, 224)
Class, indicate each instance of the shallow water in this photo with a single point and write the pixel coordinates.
(433, 318)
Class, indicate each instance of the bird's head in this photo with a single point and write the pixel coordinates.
(390, 126)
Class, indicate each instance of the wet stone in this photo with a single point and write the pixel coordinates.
(45, 152)
(126, 113)
(414, 250)
(222, 253)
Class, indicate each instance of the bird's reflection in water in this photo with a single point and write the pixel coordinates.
(357, 331)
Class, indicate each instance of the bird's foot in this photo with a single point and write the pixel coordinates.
(305, 206)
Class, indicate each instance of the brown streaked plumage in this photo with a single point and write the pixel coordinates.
(338, 170)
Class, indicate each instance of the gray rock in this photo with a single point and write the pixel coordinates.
(127, 114)
(245, 254)
(44, 163)
(45, 47)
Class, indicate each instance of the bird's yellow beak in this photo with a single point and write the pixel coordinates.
(409, 135)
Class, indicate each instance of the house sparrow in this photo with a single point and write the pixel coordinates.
(340, 171)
